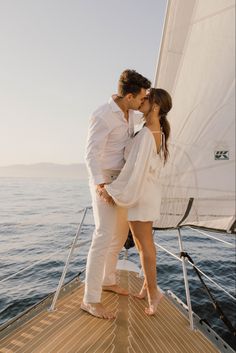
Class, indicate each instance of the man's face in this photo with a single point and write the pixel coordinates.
(145, 106)
(136, 101)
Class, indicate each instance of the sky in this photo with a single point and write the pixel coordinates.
(59, 61)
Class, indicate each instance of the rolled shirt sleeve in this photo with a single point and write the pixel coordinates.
(97, 137)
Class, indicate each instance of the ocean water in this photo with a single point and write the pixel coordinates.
(38, 222)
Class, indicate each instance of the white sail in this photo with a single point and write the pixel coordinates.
(197, 67)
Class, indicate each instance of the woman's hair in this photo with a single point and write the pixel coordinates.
(132, 82)
(163, 99)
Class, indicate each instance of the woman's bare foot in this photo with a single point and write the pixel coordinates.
(143, 292)
(115, 289)
(97, 310)
(153, 304)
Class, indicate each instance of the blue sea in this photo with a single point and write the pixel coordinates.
(38, 222)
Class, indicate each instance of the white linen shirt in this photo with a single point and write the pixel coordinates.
(108, 134)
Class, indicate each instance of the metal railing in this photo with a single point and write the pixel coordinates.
(184, 261)
(185, 274)
(193, 265)
(71, 248)
(49, 256)
(188, 298)
(60, 284)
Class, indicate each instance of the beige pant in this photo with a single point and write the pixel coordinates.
(111, 230)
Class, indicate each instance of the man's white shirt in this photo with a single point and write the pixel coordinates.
(108, 134)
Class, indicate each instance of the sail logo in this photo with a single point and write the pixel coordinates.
(221, 155)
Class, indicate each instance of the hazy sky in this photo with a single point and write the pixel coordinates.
(59, 60)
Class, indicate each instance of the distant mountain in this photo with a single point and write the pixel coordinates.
(45, 170)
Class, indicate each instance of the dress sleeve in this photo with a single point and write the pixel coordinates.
(127, 189)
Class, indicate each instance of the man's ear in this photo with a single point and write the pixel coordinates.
(129, 96)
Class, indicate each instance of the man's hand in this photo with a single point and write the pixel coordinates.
(101, 191)
(106, 197)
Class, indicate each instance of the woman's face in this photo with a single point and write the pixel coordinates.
(145, 106)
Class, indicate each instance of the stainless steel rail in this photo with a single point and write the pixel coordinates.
(60, 284)
(184, 261)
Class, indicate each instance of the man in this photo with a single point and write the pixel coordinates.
(111, 126)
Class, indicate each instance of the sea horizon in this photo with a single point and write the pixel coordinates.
(45, 170)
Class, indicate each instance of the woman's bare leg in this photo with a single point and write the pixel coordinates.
(142, 232)
(143, 291)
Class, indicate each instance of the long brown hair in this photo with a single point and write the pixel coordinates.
(163, 99)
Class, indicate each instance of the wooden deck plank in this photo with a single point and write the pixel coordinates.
(71, 330)
(59, 334)
(176, 333)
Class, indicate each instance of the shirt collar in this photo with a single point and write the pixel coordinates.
(115, 108)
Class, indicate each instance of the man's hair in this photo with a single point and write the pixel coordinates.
(132, 82)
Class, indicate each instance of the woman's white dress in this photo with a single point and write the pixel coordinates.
(137, 186)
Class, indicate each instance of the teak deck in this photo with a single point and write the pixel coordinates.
(70, 330)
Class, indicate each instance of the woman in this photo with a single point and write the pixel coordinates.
(138, 188)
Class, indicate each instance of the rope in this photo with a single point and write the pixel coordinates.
(215, 303)
(43, 259)
(187, 211)
(32, 265)
(193, 265)
(211, 280)
(48, 256)
(169, 252)
(211, 236)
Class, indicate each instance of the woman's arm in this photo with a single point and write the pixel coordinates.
(127, 189)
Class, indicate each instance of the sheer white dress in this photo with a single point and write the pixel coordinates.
(138, 187)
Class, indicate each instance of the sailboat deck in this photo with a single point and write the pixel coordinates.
(70, 330)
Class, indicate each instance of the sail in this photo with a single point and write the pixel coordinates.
(197, 67)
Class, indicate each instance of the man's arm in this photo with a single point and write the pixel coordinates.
(97, 137)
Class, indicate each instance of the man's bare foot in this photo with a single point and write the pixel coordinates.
(97, 310)
(115, 289)
(153, 304)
